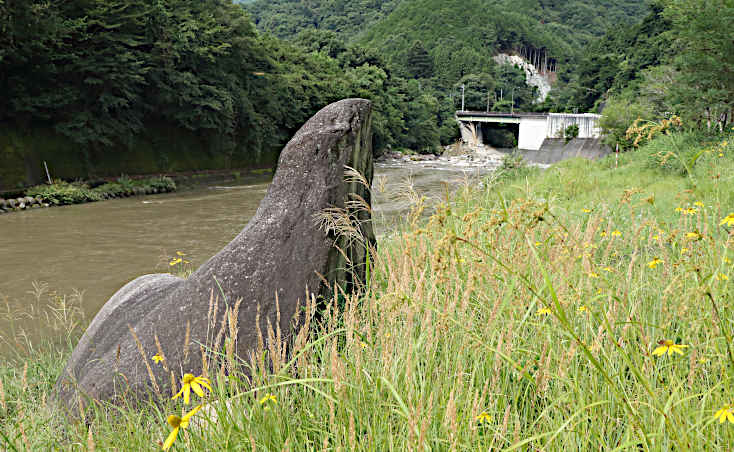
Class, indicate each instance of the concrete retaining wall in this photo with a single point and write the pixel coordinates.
(554, 150)
(532, 132)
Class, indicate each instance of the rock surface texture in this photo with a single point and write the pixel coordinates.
(283, 250)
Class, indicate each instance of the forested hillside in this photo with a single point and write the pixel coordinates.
(101, 87)
(455, 32)
(286, 18)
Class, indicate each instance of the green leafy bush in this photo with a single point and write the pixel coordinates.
(680, 152)
(62, 193)
(571, 132)
(513, 166)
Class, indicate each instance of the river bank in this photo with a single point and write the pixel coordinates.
(570, 284)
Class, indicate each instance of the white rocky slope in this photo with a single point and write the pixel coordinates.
(532, 76)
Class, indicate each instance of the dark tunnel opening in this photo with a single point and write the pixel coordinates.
(501, 136)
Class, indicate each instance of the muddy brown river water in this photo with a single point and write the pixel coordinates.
(92, 250)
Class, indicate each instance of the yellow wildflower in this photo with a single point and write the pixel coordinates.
(654, 263)
(608, 269)
(670, 347)
(722, 277)
(484, 418)
(603, 233)
(178, 423)
(157, 358)
(656, 237)
(180, 253)
(582, 308)
(175, 262)
(593, 275)
(537, 243)
(190, 383)
(693, 235)
(586, 210)
(725, 414)
(728, 220)
(690, 211)
(616, 233)
(698, 203)
(727, 260)
(268, 398)
(683, 250)
(679, 209)
(543, 311)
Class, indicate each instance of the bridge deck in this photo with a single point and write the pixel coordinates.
(494, 114)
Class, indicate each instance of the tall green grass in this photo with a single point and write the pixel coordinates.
(522, 315)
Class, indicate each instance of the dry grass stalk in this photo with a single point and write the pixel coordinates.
(24, 381)
(2, 396)
(187, 341)
(160, 352)
(352, 433)
(24, 437)
(90, 441)
(450, 420)
(692, 362)
(151, 375)
(204, 362)
(174, 388)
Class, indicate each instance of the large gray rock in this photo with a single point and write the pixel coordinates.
(283, 250)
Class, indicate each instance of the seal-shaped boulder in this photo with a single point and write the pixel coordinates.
(283, 252)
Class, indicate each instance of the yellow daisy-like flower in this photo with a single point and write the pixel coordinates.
(679, 209)
(654, 263)
(722, 277)
(603, 233)
(616, 233)
(582, 308)
(593, 275)
(175, 261)
(727, 260)
(728, 220)
(725, 414)
(669, 347)
(180, 253)
(178, 423)
(683, 250)
(586, 210)
(157, 358)
(693, 235)
(543, 311)
(698, 203)
(268, 398)
(484, 418)
(192, 383)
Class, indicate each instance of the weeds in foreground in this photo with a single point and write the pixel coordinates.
(580, 308)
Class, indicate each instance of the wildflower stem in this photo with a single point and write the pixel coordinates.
(723, 328)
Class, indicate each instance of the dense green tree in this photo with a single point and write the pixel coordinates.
(418, 61)
(703, 31)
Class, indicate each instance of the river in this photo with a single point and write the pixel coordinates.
(87, 252)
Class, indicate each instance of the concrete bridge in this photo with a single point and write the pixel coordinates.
(531, 130)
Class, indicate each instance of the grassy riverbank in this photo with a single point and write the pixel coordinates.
(524, 314)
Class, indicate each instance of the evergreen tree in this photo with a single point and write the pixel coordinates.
(418, 62)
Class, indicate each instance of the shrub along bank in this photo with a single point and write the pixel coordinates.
(582, 307)
(61, 193)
